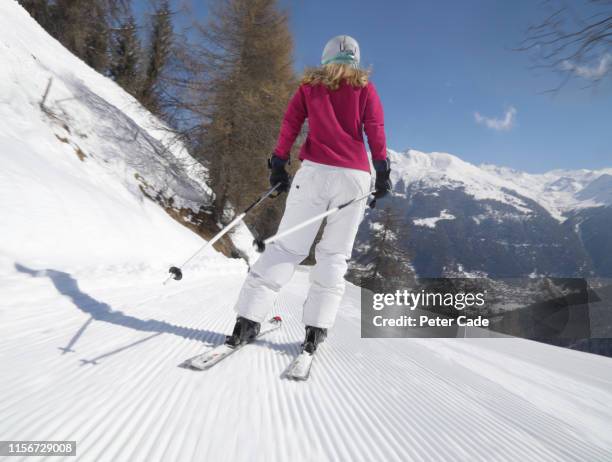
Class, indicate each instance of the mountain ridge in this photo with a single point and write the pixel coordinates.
(460, 218)
(559, 191)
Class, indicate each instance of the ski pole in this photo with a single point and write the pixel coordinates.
(175, 271)
(260, 245)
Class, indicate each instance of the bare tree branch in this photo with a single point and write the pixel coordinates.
(572, 43)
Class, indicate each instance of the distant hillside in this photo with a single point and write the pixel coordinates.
(462, 218)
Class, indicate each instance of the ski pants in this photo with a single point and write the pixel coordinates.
(315, 188)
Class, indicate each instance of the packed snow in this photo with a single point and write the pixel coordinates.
(90, 339)
(94, 358)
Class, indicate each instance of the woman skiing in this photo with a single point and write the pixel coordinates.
(340, 104)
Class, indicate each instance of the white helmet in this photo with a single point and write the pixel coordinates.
(342, 49)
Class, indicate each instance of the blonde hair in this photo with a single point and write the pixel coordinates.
(331, 75)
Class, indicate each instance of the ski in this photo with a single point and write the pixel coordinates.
(205, 361)
(299, 369)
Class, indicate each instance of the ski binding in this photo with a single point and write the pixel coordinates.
(205, 361)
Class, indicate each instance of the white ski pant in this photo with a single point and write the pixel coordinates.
(315, 189)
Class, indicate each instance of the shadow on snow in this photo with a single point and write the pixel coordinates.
(100, 311)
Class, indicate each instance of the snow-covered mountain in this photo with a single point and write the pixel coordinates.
(559, 191)
(497, 221)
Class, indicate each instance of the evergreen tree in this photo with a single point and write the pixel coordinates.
(83, 26)
(248, 56)
(97, 37)
(125, 53)
(383, 266)
(160, 47)
(39, 10)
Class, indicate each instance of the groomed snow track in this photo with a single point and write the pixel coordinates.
(95, 360)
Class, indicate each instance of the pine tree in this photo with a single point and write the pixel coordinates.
(97, 37)
(83, 26)
(39, 10)
(248, 55)
(160, 47)
(125, 53)
(383, 266)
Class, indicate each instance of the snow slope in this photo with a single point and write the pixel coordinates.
(73, 175)
(90, 339)
(94, 359)
(558, 191)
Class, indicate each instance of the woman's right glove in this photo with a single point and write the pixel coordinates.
(383, 182)
(278, 174)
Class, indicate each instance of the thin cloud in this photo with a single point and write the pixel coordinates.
(502, 124)
(593, 72)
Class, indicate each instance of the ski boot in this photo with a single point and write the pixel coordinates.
(245, 331)
(314, 336)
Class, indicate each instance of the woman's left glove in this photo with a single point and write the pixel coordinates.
(278, 174)
(383, 182)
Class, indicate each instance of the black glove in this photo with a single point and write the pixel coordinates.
(383, 182)
(278, 174)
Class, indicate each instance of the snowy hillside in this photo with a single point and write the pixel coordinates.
(78, 173)
(90, 339)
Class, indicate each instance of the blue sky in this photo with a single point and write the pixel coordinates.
(437, 63)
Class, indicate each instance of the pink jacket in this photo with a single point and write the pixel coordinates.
(336, 120)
